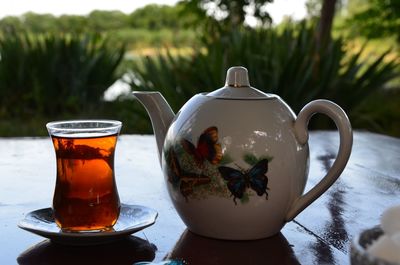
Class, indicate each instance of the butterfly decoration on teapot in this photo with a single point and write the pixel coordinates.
(239, 156)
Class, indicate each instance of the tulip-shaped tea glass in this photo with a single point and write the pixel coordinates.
(85, 196)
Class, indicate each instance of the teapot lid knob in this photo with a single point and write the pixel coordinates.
(237, 76)
(237, 86)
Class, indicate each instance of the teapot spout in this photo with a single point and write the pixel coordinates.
(161, 115)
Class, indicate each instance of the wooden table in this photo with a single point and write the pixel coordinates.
(319, 235)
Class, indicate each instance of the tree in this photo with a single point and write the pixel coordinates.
(99, 21)
(10, 24)
(39, 23)
(377, 18)
(72, 23)
(232, 13)
(313, 8)
(323, 12)
(154, 17)
(325, 22)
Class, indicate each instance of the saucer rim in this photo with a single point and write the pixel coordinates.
(60, 235)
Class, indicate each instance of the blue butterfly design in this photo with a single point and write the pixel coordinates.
(238, 181)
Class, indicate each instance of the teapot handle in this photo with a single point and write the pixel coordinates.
(337, 114)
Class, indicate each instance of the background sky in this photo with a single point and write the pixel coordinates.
(280, 8)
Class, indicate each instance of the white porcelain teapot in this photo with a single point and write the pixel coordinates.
(236, 160)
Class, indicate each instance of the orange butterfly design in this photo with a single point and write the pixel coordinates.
(207, 147)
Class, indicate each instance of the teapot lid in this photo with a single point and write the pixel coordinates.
(237, 86)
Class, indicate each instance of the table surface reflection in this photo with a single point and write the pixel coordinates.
(321, 234)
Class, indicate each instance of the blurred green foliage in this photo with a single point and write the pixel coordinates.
(375, 19)
(150, 26)
(59, 67)
(150, 17)
(50, 74)
(156, 17)
(286, 63)
(229, 13)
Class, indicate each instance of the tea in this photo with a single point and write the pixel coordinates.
(86, 196)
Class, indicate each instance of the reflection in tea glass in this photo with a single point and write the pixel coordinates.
(85, 197)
